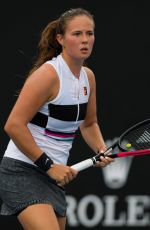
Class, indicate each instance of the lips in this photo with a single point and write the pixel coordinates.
(84, 49)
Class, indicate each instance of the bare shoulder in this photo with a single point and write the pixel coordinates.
(43, 82)
(45, 72)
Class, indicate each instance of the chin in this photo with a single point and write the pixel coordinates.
(82, 56)
(85, 56)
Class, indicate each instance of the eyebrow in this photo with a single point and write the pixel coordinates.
(74, 31)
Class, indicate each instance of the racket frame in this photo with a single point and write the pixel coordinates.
(92, 161)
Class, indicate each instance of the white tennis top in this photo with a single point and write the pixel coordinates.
(54, 126)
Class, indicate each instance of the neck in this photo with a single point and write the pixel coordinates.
(74, 65)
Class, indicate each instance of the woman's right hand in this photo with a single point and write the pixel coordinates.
(62, 174)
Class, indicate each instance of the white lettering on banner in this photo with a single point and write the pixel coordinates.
(136, 213)
(71, 211)
(110, 212)
(136, 206)
(97, 214)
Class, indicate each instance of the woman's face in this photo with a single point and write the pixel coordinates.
(78, 40)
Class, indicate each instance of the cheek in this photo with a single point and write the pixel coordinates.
(92, 41)
(72, 44)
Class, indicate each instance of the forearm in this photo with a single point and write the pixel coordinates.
(23, 139)
(93, 137)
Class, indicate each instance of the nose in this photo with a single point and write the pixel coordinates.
(84, 38)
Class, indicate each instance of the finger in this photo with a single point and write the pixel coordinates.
(100, 164)
(66, 180)
(103, 162)
(109, 159)
(61, 184)
(74, 172)
(103, 159)
(70, 176)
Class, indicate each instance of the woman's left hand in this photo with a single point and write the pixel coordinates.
(104, 161)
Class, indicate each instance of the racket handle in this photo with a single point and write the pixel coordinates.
(83, 164)
(89, 162)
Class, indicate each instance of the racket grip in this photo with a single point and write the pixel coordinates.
(83, 165)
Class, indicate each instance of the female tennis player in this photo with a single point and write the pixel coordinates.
(57, 98)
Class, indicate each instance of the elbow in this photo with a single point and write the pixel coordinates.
(86, 126)
(89, 124)
(8, 127)
(11, 127)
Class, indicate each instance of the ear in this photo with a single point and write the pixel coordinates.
(59, 38)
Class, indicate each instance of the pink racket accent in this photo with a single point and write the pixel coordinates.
(131, 153)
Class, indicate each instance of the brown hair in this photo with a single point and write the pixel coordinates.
(48, 46)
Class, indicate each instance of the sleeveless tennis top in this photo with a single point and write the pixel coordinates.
(54, 126)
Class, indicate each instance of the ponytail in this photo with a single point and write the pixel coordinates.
(48, 46)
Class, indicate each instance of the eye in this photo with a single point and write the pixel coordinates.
(77, 33)
(90, 33)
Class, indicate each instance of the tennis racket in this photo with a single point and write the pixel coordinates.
(135, 141)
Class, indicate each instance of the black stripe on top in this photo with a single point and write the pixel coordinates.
(67, 112)
(40, 119)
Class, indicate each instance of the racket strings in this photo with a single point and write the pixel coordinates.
(138, 138)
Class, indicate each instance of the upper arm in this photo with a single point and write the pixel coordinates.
(91, 115)
(38, 88)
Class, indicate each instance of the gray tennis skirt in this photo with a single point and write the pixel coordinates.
(23, 184)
